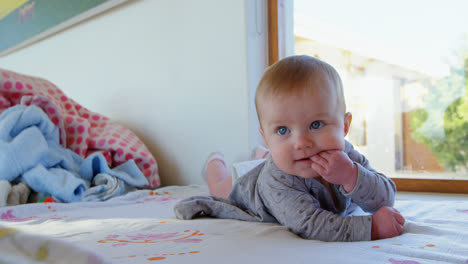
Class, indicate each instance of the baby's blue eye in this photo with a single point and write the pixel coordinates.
(282, 131)
(316, 125)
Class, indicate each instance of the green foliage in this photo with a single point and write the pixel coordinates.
(451, 148)
(418, 117)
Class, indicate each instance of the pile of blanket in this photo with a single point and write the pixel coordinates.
(52, 146)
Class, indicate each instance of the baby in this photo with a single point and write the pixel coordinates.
(312, 179)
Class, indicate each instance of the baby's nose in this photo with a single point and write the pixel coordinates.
(303, 141)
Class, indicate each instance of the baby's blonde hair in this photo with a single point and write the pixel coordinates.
(295, 74)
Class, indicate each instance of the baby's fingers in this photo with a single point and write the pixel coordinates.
(325, 155)
(318, 168)
(400, 219)
(319, 160)
(399, 228)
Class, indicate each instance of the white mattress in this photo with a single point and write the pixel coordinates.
(140, 227)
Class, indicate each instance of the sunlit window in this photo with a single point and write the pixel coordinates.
(403, 65)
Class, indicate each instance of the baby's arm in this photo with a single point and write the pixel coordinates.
(292, 205)
(375, 193)
(301, 214)
(373, 189)
(367, 187)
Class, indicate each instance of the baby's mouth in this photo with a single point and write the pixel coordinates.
(305, 159)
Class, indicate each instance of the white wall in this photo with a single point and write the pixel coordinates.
(179, 73)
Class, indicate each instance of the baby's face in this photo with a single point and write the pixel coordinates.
(298, 127)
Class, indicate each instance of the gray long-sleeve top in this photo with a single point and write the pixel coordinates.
(305, 206)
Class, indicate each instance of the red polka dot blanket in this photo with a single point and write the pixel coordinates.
(80, 129)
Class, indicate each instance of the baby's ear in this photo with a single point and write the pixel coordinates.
(347, 122)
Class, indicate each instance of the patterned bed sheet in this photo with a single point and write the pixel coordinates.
(140, 227)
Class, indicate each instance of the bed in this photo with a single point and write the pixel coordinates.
(140, 227)
(99, 199)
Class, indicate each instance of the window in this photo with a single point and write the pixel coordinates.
(403, 66)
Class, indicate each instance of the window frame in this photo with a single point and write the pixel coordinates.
(275, 26)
